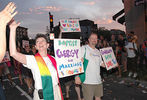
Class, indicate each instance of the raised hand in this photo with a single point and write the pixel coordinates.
(7, 13)
(13, 24)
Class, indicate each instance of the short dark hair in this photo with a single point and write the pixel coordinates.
(92, 34)
(41, 36)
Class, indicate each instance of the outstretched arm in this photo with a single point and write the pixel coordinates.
(5, 16)
(12, 44)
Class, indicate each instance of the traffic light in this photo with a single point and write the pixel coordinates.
(51, 18)
(51, 22)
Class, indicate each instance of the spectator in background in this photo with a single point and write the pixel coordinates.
(26, 73)
(33, 50)
(101, 38)
(5, 71)
(123, 58)
(118, 52)
(134, 37)
(144, 47)
(143, 54)
(68, 81)
(112, 42)
(131, 58)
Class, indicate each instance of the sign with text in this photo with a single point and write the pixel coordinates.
(109, 58)
(6, 57)
(68, 57)
(70, 25)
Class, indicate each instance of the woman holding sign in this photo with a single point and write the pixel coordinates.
(42, 65)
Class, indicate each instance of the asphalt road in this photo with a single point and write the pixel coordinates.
(114, 89)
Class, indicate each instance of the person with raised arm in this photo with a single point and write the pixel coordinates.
(42, 65)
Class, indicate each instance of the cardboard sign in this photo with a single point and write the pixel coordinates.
(70, 25)
(68, 57)
(109, 57)
(6, 57)
(24, 43)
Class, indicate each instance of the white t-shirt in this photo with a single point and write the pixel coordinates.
(93, 67)
(32, 64)
(131, 53)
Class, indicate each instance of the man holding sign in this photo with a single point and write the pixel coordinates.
(91, 84)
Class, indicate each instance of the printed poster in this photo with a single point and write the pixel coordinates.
(109, 58)
(70, 25)
(68, 57)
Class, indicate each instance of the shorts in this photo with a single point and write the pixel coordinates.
(91, 90)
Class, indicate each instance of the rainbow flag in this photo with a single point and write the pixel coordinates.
(46, 78)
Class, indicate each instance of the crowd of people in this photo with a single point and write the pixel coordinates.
(38, 69)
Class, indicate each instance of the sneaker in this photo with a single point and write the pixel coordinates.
(135, 75)
(130, 74)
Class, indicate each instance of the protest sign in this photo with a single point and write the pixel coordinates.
(108, 57)
(70, 25)
(68, 57)
(6, 57)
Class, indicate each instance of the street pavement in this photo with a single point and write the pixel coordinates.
(114, 89)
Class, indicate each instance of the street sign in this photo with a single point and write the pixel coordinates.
(52, 36)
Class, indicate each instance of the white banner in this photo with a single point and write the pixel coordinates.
(68, 57)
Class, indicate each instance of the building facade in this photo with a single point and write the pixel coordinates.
(135, 18)
(21, 34)
(87, 26)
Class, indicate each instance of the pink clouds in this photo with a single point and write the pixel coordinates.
(89, 3)
(109, 24)
(42, 10)
(104, 21)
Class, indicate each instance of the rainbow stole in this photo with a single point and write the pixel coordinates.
(46, 78)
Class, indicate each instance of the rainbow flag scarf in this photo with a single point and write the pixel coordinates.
(47, 85)
(46, 78)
